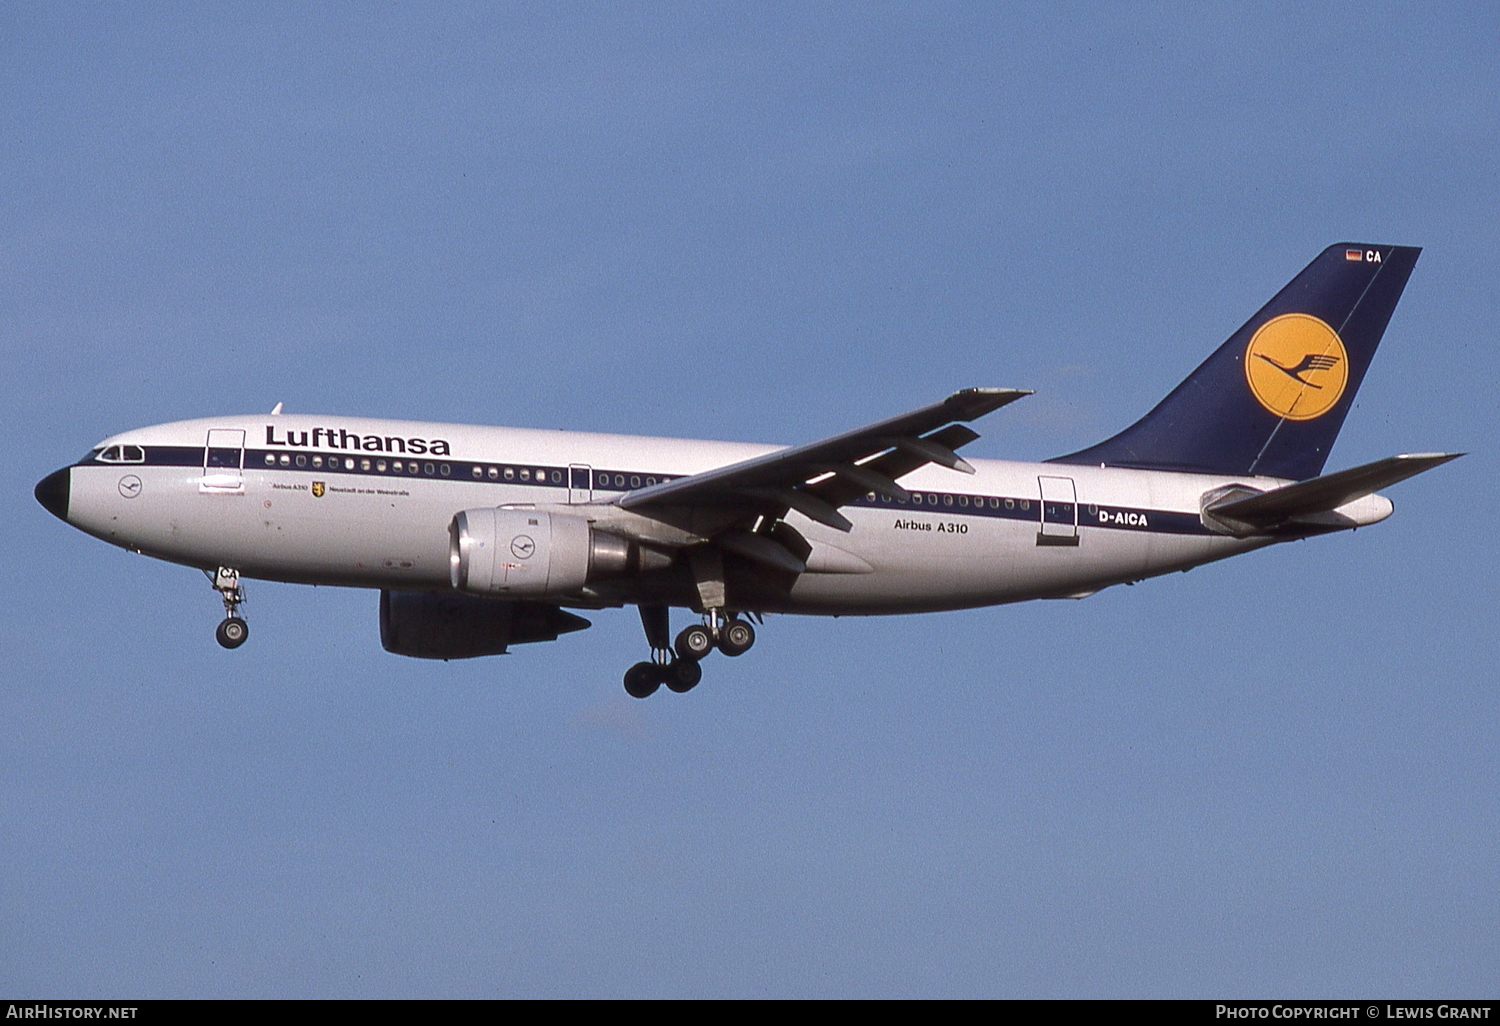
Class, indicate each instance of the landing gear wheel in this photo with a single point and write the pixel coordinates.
(684, 675)
(642, 680)
(694, 643)
(232, 632)
(736, 638)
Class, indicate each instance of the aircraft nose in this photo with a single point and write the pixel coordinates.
(52, 492)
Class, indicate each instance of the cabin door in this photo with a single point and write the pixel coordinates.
(580, 483)
(224, 462)
(1059, 524)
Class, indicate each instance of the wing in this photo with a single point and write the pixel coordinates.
(817, 478)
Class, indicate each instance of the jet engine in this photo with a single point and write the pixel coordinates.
(528, 552)
(442, 625)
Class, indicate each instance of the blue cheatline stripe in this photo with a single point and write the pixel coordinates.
(535, 475)
(1124, 518)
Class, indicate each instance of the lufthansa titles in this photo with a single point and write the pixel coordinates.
(329, 438)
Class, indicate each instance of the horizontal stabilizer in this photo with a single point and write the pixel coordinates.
(1327, 493)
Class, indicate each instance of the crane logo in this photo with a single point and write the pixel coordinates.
(1296, 366)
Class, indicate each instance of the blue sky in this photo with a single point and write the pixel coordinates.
(1274, 776)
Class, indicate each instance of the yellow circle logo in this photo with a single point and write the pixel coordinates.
(1296, 366)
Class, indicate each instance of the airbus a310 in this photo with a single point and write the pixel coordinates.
(479, 538)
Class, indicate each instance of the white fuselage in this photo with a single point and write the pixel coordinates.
(368, 503)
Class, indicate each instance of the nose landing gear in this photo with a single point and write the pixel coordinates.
(678, 667)
(232, 630)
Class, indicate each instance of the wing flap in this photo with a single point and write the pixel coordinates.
(897, 463)
(815, 479)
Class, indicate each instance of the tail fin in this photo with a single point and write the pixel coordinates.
(1271, 400)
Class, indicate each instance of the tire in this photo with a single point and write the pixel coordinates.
(642, 680)
(684, 675)
(232, 632)
(736, 638)
(694, 643)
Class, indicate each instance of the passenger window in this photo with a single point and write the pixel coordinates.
(525, 474)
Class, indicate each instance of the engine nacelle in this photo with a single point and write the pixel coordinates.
(442, 625)
(528, 552)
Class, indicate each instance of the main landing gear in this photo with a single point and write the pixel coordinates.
(232, 630)
(678, 666)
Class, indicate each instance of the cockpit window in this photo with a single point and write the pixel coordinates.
(121, 454)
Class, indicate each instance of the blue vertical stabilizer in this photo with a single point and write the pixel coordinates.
(1271, 400)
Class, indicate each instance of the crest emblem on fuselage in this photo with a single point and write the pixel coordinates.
(318, 488)
(1296, 366)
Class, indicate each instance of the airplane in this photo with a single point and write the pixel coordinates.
(479, 538)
